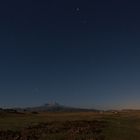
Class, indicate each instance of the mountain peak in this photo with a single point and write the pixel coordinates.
(52, 104)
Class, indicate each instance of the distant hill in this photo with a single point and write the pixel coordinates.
(48, 107)
(55, 107)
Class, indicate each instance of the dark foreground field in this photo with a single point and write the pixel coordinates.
(70, 126)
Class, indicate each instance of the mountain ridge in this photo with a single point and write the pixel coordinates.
(54, 107)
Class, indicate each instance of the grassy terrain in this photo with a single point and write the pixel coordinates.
(70, 126)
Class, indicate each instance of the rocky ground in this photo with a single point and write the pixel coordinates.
(68, 130)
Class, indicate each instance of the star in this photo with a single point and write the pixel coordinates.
(77, 9)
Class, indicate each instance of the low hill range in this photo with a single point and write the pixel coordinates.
(56, 107)
(48, 107)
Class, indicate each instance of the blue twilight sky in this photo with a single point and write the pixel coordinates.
(79, 53)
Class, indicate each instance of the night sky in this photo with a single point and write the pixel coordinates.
(83, 53)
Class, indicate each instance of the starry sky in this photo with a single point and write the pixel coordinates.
(83, 53)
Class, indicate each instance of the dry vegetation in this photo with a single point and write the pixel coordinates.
(70, 126)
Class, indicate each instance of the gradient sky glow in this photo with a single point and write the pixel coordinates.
(79, 53)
